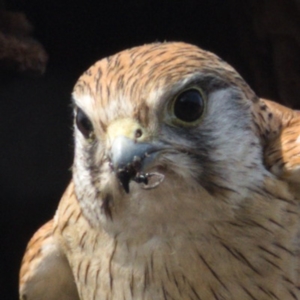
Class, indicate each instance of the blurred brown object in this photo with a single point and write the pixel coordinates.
(19, 51)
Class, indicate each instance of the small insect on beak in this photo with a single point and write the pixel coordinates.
(150, 180)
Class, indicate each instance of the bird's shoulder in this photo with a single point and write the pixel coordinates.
(45, 272)
(282, 148)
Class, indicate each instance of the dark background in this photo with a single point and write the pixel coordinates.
(259, 38)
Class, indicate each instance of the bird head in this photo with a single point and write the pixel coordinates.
(162, 132)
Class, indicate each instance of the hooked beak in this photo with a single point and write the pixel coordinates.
(131, 154)
(130, 158)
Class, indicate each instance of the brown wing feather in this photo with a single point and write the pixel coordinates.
(45, 272)
(282, 151)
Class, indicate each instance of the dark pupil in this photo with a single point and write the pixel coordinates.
(83, 123)
(189, 106)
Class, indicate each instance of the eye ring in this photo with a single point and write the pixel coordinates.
(187, 107)
(84, 124)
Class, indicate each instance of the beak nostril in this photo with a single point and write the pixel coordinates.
(138, 133)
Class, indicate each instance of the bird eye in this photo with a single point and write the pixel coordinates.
(188, 106)
(83, 123)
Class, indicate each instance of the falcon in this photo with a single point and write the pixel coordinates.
(185, 186)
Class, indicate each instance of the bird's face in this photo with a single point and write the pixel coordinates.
(163, 132)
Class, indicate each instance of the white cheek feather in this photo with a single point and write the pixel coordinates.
(81, 175)
(237, 149)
